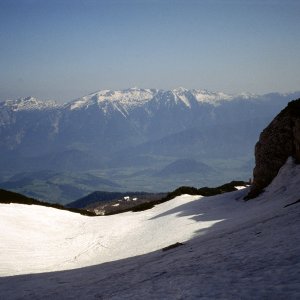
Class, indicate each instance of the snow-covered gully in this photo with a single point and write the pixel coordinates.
(231, 249)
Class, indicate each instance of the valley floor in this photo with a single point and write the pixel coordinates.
(231, 249)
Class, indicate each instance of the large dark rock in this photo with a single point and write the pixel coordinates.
(277, 142)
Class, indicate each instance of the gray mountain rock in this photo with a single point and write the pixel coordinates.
(280, 140)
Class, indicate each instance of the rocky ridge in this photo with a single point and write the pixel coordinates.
(278, 141)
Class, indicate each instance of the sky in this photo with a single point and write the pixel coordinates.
(64, 49)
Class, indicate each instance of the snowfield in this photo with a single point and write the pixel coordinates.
(38, 239)
(231, 249)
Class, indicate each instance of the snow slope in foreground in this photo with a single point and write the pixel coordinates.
(239, 250)
(41, 239)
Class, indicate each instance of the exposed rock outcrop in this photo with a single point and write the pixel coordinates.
(277, 142)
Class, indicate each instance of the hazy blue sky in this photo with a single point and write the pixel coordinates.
(63, 49)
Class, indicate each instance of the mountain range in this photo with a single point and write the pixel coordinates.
(135, 138)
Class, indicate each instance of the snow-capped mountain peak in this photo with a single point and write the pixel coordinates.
(200, 96)
(210, 97)
(29, 103)
(128, 98)
(182, 94)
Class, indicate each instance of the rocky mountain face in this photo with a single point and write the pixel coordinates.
(280, 140)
